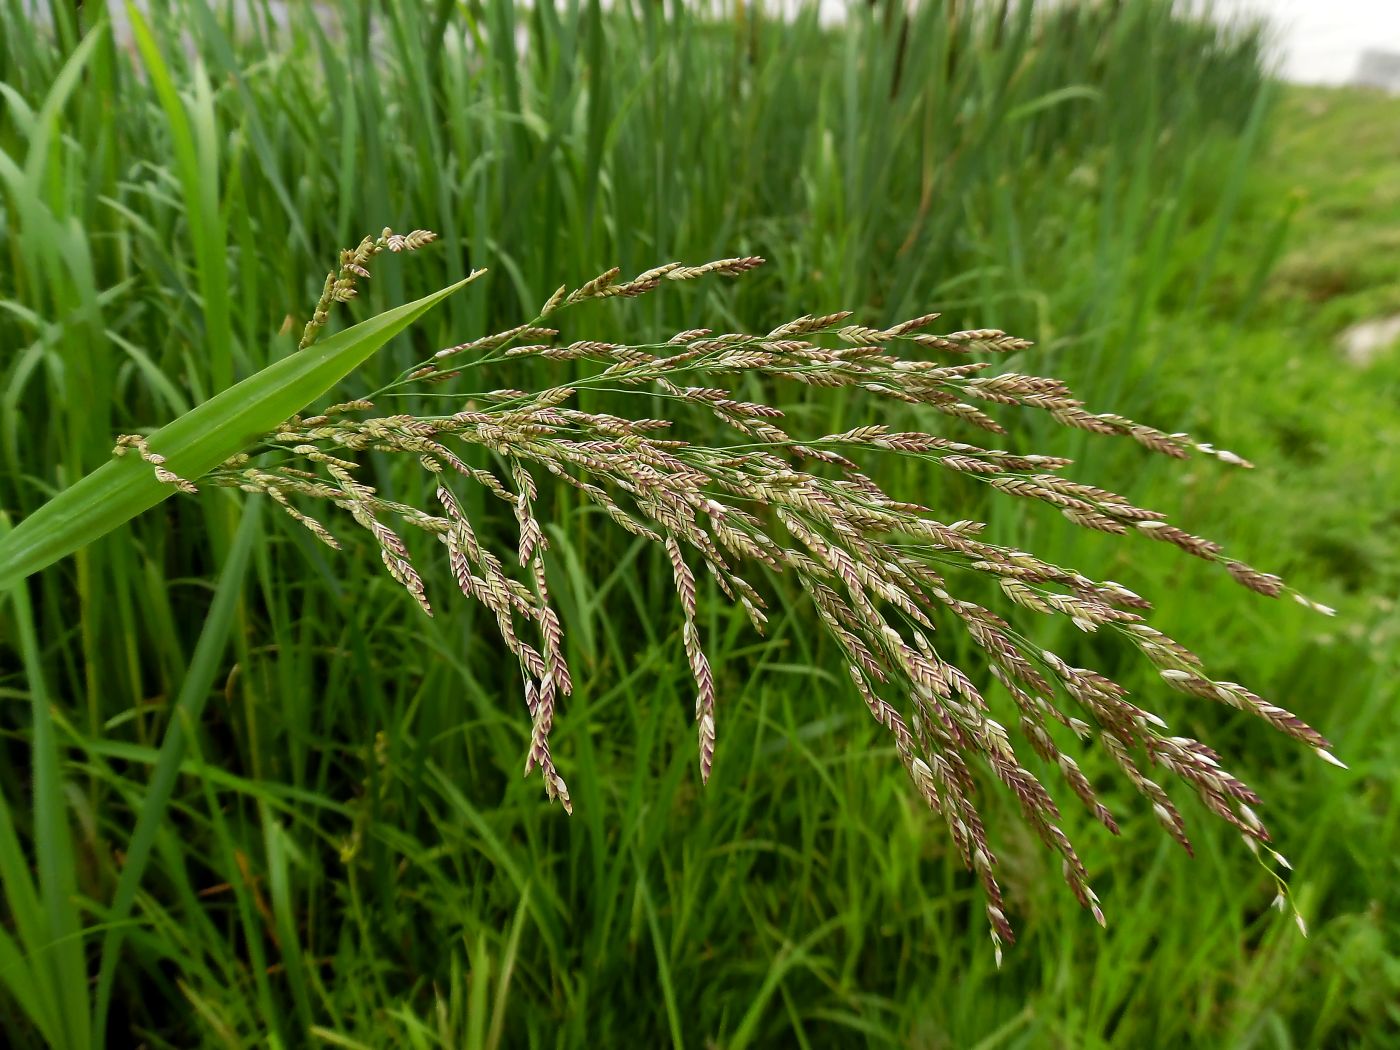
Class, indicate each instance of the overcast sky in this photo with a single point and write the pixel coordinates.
(1320, 40)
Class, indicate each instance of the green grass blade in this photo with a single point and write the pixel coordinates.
(18, 977)
(46, 125)
(22, 969)
(194, 136)
(60, 961)
(194, 691)
(197, 442)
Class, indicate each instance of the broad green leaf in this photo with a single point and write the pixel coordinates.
(198, 441)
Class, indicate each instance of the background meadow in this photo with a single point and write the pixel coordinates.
(349, 856)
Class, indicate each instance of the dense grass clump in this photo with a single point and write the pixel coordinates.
(253, 796)
(877, 570)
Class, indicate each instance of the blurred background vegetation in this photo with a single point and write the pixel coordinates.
(349, 857)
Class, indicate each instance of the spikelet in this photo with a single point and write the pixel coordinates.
(882, 574)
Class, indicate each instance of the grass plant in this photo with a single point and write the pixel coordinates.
(253, 796)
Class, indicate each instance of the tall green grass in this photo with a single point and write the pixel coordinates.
(282, 809)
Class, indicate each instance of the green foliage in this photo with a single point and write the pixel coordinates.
(197, 442)
(347, 855)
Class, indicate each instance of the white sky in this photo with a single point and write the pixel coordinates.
(1320, 40)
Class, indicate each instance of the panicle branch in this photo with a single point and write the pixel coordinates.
(884, 575)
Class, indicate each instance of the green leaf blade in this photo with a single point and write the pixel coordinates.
(199, 441)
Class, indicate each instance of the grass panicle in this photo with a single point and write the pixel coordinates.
(887, 577)
(345, 850)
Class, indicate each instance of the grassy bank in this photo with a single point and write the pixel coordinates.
(349, 851)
